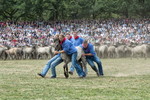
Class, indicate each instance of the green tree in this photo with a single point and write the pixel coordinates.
(72, 9)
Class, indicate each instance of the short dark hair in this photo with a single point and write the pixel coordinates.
(67, 34)
(56, 36)
(62, 35)
(85, 42)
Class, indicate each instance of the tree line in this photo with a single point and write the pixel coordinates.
(44, 10)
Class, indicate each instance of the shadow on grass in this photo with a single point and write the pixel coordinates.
(73, 77)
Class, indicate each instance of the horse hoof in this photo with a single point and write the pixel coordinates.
(66, 75)
(70, 72)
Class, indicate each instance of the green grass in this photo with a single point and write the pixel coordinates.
(124, 79)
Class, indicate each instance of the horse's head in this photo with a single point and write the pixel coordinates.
(57, 45)
(6, 47)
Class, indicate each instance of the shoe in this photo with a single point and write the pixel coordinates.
(81, 76)
(70, 72)
(41, 75)
(101, 75)
(53, 76)
(84, 75)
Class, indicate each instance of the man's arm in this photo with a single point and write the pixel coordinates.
(62, 51)
(66, 47)
(57, 52)
(87, 54)
(91, 52)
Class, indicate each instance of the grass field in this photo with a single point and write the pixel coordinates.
(124, 79)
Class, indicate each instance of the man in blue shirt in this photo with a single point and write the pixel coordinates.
(70, 38)
(53, 62)
(70, 49)
(91, 57)
(76, 42)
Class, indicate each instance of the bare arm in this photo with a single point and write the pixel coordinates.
(62, 51)
(88, 54)
(57, 52)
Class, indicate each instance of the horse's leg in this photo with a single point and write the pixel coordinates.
(9, 56)
(23, 56)
(67, 73)
(38, 56)
(145, 55)
(5, 55)
(46, 55)
(16, 56)
(84, 63)
(66, 70)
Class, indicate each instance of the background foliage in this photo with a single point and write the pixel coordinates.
(72, 9)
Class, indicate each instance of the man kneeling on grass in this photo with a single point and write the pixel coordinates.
(91, 57)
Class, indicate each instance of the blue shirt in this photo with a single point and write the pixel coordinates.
(89, 49)
(68, 47)
(72, 40)
(78, 41)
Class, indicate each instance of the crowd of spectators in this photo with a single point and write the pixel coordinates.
(99, 31)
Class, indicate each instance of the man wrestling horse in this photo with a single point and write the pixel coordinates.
(65, 51)
(67, 57)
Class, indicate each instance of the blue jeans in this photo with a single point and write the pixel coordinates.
(93, 59)
(54, 64)
(49, 63)
(76, 65)
(72, 69)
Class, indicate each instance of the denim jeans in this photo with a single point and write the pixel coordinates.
(76, 65)
(72, 69)
(48, 65)
(93, 59)
(54, 64)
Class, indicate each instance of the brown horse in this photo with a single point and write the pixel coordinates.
(15, 53)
